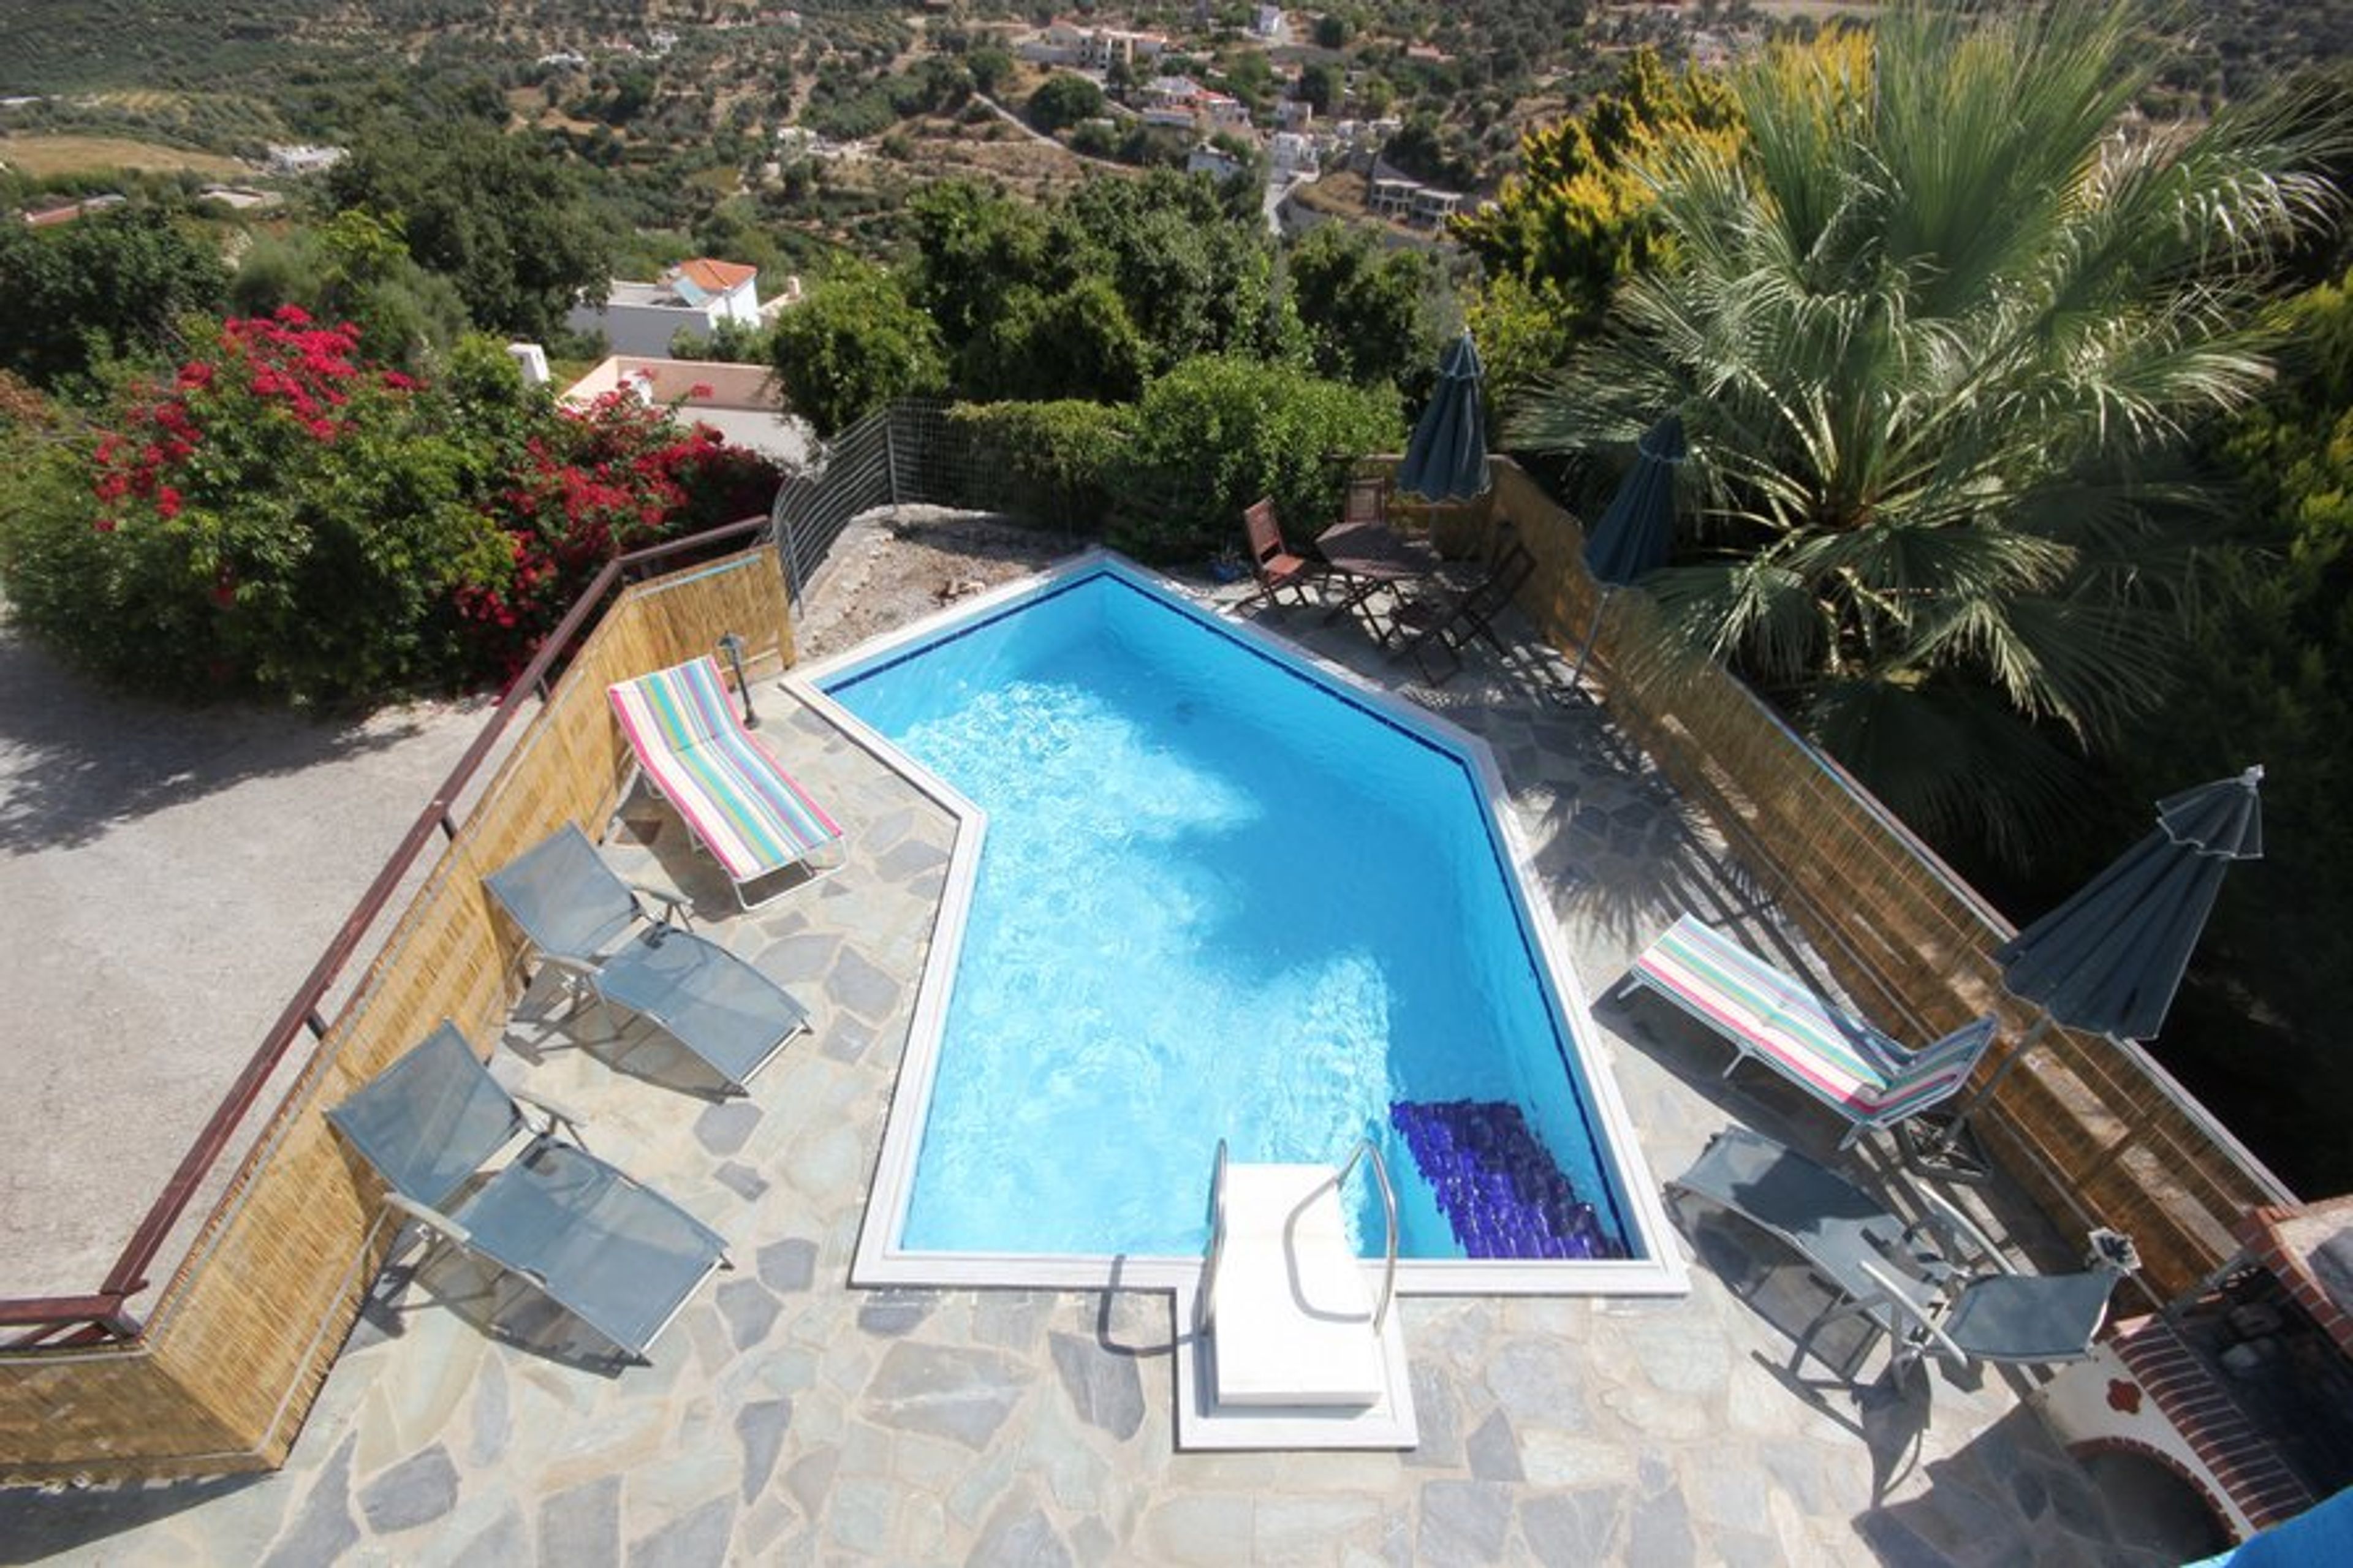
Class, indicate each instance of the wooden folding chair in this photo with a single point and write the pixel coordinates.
(1448, 626)
(1273, 562)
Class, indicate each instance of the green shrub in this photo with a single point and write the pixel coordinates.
(1062, 101)
(1218, 432)
(280, 515)
(855, 343)
(1050, 462)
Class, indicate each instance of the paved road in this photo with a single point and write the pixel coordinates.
(169, 876)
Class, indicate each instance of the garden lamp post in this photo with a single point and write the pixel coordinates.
(733, 647)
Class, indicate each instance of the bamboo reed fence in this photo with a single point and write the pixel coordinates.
(228, 1364)
(241, 1338)
(2094, 1131)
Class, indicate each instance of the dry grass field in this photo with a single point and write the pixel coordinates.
(46, 156)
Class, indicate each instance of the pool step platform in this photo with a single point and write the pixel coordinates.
(1291, 1358)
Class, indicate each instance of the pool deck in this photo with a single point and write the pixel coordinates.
(790, 1419)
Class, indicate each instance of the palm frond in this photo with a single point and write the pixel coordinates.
(1918, 566)
(2085, 662)
(1749, 611)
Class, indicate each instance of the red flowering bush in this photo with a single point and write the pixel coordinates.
(279, 515)
(600, 481)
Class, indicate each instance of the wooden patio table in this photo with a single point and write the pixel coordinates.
(1368, 556)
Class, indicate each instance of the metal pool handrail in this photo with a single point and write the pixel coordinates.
(1204, 1308)
(1388, 1212)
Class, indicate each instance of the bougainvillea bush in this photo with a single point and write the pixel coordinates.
(588, 485)
(279, 516)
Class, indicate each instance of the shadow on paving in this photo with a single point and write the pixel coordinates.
(39, 1525)
(79, 758)
(2011, 1470)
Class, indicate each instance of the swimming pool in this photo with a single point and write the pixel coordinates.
(1223, 895)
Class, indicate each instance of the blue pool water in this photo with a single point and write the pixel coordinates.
(1218, 898)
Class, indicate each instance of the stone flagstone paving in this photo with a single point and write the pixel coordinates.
(788, 1418)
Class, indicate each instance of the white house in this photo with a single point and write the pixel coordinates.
(640, 319)
(1056, 44)
(1102, 48)
(1431, 205)
(1292, 153)
(1393, 198)
(740, 401)
(1091, 48)
(1173, 92)
(1267, 22)
(302, 158)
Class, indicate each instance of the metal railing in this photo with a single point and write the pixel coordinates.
(1388, 1213)
(101, 1316)
(1205, 1310)
(1204, 1305)
(910, 451)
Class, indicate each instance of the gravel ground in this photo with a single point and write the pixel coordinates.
(898, 564)
(171, 874)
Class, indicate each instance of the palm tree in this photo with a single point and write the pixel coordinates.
(1935, 327)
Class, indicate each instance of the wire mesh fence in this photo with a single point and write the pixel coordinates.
(907, 452)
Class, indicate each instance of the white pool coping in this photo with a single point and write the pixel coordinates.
(881, 1261)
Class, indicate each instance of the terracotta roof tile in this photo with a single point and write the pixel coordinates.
(715, 277)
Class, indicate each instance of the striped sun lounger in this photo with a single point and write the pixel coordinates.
(1868, 1077)
(754, 817)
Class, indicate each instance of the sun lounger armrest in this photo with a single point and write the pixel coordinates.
(1965, 1044)
(1947, 1218)
(555, 1114)
(1914, 1331)
(676, 911)
(431, 1218)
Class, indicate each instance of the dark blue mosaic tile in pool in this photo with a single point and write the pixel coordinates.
(1497, 1186)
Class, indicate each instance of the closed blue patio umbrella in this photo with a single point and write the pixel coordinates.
(2111, 957)
(1637, 533)
(1446, 461)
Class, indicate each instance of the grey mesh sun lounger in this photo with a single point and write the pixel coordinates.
(1876, 1267)
(617, 1255)
(1894, 1276)
(588, 922)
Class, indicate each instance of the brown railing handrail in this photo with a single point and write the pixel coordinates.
(103, 1311)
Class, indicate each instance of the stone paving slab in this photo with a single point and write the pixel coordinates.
(788, 1418)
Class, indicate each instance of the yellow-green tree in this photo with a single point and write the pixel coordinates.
(1938, 329)
(1579, 216)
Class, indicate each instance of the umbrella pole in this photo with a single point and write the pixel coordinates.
(1593, 633)
(1940, 1153)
